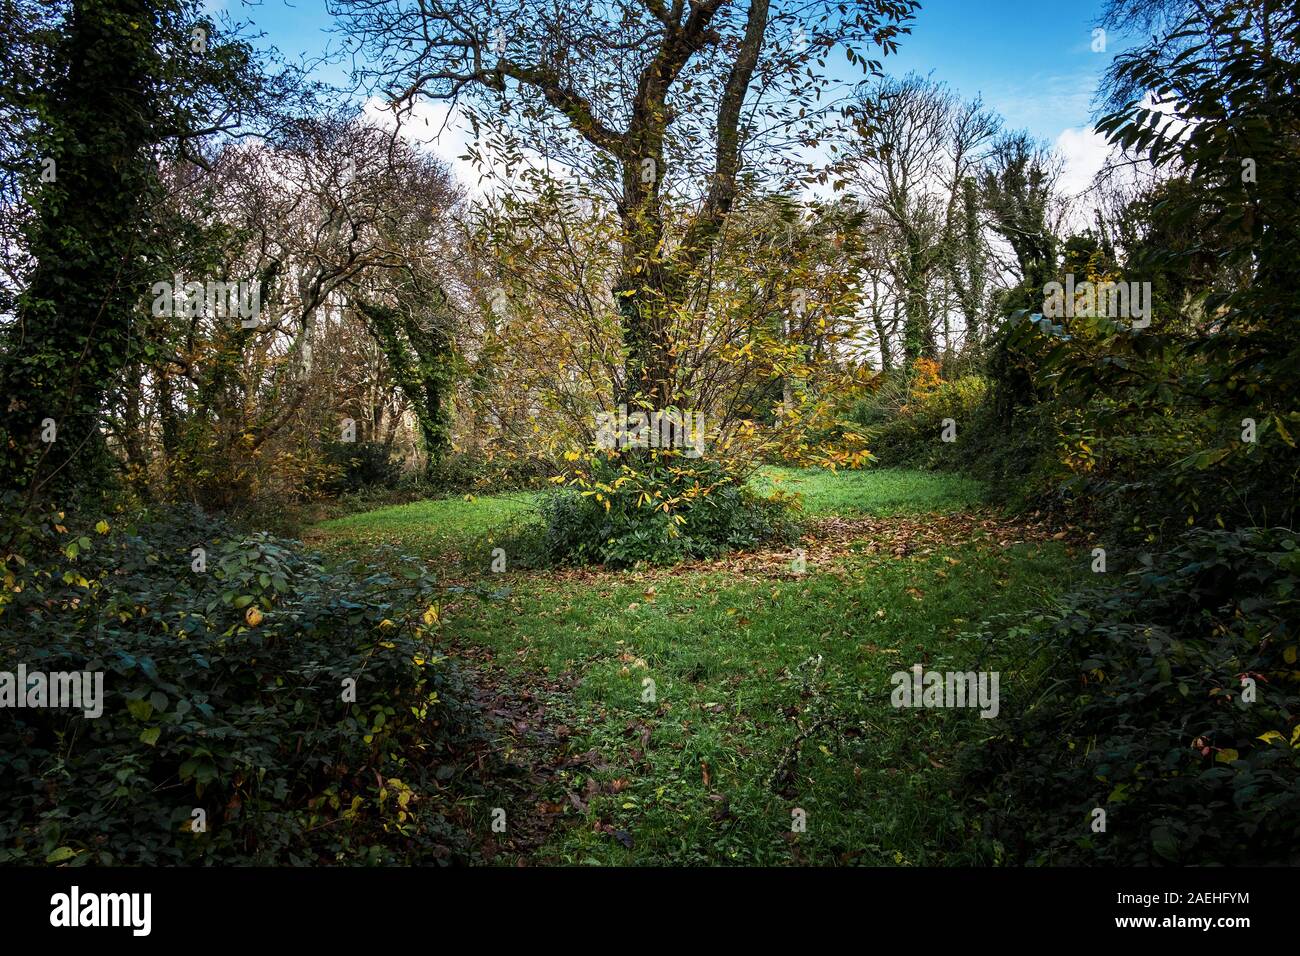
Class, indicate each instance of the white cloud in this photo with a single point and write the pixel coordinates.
(439, 128)
(434, 127)
(1085, 152)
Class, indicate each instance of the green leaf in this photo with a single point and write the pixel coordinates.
(1164, 843)
(61, 854)
(150, 735)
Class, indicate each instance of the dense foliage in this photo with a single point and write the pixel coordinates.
(659, 509)
(358, 466)
(1170, 705)
(904, 419)
(225, 691)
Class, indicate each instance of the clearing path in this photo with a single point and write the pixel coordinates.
(738, 710)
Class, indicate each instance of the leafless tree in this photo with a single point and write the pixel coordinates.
(913, 163)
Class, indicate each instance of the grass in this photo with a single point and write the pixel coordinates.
(434, 528)
(735, 672)
(717, 704)
(881, 491)
(440, 526)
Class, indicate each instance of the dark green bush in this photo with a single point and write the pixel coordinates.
(361, 465)
(660, 509)
(1142, 713)
(903, 419)
(224, 693)
(462, 471)
(1138, 472)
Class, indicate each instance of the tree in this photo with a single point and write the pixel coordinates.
(123, 81)
(918, 148)
(657, 103)
(348, 233)
(1018, 189)
(1223, 111)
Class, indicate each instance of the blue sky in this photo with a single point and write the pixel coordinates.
(1031, 60)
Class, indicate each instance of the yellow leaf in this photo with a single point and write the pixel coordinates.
(1271, 736)
(102, 527)
(1226, 755)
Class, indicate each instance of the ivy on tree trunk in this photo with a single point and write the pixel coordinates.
(421, 358)
(71, 337)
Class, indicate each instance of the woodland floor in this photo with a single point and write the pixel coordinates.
(771, 686)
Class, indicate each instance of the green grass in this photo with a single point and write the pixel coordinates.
(440, 526)
(741, 666)
(877, 491)
(734, 680)
(432, 529)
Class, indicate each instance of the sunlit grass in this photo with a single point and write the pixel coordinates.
(876, 491)
(741, 667)
(427, 528)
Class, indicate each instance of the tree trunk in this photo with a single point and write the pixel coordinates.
(70, 339)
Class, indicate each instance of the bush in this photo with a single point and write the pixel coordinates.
(224, 692)
(1138, 473)
(358, 466)
(904, 419)
(1144, 715)
(659, 508)
(462, 471)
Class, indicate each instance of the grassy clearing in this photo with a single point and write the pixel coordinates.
(437, 527)
(736, 682)
(882, 491)
(433, 528)
(771, 689)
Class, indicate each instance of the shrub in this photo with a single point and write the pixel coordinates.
(1140, 472)
(904, 419)
(659, 508)
(461, 471)
(358, 466)
(1144, 715)
(224, 693)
